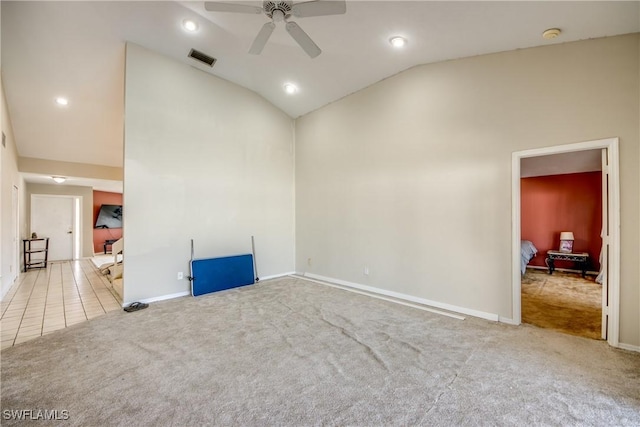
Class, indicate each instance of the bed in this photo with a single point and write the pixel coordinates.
(527, 252)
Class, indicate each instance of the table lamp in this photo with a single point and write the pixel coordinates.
(566, 241)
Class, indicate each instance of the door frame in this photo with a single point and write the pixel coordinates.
(76, 220)
(611, 144)
(15, 225)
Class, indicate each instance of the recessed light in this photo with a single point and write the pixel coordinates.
(190, 25)
(551, 33)
(290, 88)
(62, 101)
(398, 41)
(59, 179)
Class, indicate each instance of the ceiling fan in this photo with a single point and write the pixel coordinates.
(282, 10)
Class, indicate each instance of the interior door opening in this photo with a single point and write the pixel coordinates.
(559, 287)
(610, 261)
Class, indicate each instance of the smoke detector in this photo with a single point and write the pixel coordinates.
(551, 33)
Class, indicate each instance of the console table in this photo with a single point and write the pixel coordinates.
(580, 258)
(28, 249)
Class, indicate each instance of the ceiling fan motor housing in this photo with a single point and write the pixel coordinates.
(283, 6)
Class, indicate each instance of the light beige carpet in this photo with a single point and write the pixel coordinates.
(562, 301)
(292, 353)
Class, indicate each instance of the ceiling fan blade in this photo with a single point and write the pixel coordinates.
(262, 38)
(214, 6)
(319, 8)
(303, 39)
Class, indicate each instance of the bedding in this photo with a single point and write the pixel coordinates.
(527, 252)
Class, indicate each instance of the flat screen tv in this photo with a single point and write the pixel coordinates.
(110, 216)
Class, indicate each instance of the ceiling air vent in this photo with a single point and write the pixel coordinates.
(202, 57)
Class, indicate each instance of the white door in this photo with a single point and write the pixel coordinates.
(52, 217)
(15, 258)
(604, 256)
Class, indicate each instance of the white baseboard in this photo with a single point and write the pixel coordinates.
(161, 298)
(6, 289)
(507, 321)
(629, 347)
(276, 276)
(187, 293)
(405, 297)
(378, 296)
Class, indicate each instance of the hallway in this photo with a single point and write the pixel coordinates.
(44, 300)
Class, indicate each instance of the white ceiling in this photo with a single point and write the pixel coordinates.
(76, 49)
(559, 164)
(97, 184)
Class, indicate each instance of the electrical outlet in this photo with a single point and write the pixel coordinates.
(180, 275)
(366, 270)
(309, 261)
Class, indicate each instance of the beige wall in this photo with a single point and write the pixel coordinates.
(411, 176)
(9, 177)
(83, 170)
(206, 160)
(86, 193)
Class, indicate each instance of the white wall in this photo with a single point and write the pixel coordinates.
(9, 177)
(206, 160)
(411, 176)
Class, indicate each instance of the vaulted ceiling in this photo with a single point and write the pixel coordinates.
(76, 49)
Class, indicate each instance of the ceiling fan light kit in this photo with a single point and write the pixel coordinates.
(282, 11)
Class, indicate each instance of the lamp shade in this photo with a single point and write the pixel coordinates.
(566, 235)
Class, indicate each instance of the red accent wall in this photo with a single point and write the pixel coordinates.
(571, 202)
(101, 234)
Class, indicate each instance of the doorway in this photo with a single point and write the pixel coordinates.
(15, 213)
(610, 221)
(58, 218)
(563, 192)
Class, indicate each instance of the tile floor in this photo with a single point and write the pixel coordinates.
(45, 300)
